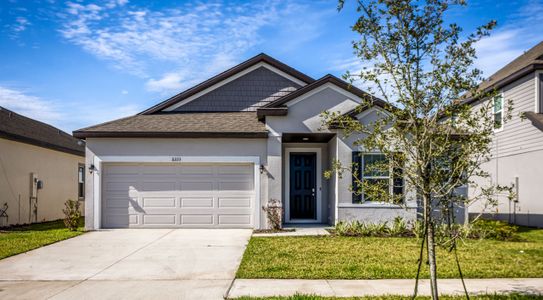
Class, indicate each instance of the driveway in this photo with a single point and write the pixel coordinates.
(128, 264)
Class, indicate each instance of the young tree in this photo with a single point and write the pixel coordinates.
(422, 68)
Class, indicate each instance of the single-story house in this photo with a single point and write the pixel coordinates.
(517, 144)
(213, 155)
(41, 167)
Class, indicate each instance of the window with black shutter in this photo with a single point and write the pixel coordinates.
(391, 180)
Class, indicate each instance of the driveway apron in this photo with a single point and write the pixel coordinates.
(128, 264)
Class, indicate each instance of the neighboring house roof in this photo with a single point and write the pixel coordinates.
(25, 130)
(537, 119)
(225, 75)
(528, 62)
(188, 125)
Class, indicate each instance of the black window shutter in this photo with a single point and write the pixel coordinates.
(357, 163)
(398, 179)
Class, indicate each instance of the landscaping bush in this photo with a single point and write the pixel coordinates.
(72, 214)
(399, 228)
(481, 229)
(490, 229)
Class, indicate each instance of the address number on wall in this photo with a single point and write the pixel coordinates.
(176, 158)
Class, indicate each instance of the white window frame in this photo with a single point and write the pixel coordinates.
(390, 178)
(502, 111)
(81, 178)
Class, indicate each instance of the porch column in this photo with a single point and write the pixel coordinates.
(274, 169)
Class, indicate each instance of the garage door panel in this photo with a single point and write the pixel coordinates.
(235, 186)
(234, 219)
(157, 171)
(197, 202)
(235, 170)
(121, 220)
(197, 219)
(178, 195)
(197, 186)
(162, 186)
(159, 219)
(158, 202)
(234, 202)
(197, 170)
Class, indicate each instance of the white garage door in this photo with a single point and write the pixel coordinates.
(178, 195)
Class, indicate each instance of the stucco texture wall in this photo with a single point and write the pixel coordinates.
(57, 170)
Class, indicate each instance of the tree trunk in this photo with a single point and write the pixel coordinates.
(430, 244)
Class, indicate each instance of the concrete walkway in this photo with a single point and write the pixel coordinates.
(360, 288)
(299, 230)
(128, 264)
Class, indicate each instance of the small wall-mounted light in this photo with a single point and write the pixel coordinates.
(92, 168)
(305, 139)
(262, 169)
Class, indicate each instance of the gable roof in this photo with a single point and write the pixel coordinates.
(25, 130)
(226, 74)
(326, 79)
(187, 125)
(528, 62)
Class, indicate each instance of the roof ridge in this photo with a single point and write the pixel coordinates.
(226, 74)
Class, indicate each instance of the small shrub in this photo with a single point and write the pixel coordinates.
(274, 213)
(71, 214)
(490, 229)
(399, 227)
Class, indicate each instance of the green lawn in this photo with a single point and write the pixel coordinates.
(482, 297)
(24, 238)
(334, 257)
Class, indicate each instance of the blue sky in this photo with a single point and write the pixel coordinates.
(77, 63)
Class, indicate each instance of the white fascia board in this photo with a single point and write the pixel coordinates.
(232, 78)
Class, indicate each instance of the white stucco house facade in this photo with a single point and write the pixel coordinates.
(213, 155)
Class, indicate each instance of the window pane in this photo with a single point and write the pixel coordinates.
(375, 165)
(498, 120)
(376, 189)
(498, 104)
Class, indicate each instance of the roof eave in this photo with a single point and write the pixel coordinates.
(161, 134)
(34, 142)
(509, 79)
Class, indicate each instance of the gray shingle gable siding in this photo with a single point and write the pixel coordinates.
(246, 93)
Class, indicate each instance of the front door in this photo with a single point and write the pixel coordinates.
(303, 201)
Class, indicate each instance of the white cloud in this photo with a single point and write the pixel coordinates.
(28, 105)
(135, 39)
(174, 47)
(518, 34)
(124, 92)
(170, 81)
(67, 116)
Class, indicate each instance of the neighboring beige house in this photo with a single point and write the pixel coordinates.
(40, 168)
(517, 150)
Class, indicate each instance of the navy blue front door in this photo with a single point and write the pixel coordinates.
(303, 202)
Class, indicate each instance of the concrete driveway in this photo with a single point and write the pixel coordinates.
(128, 264)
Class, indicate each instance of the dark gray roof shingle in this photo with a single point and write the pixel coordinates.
(197, 125)
(22, 129)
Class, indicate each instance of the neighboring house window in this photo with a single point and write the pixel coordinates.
(81, 181)
(498, 112)
(390, 180)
